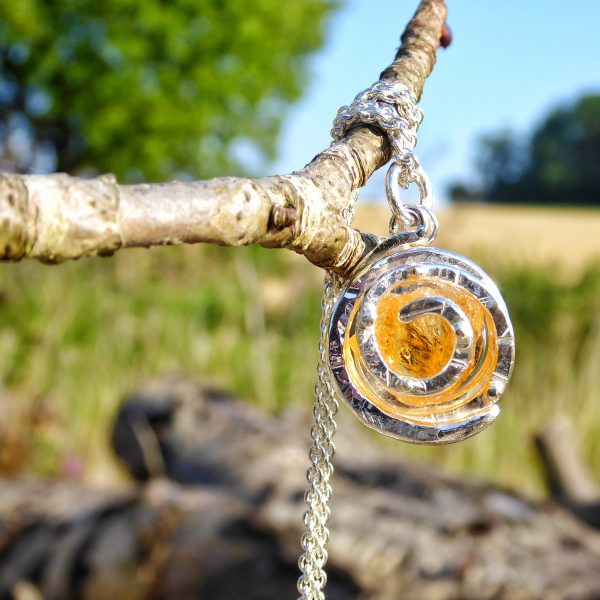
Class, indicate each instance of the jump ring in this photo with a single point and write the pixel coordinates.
(397, 179)
(423, 221)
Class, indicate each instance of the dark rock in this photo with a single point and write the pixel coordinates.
(224, 519)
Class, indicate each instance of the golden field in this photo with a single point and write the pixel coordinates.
(568, 239)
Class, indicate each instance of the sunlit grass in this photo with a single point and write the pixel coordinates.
(75, 338)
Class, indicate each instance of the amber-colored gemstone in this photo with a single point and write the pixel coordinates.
(420, 348)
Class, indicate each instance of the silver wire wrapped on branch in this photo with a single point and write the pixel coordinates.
(393, 108)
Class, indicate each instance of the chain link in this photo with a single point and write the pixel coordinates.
(392, 107)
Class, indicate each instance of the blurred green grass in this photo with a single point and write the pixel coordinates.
(75, 338)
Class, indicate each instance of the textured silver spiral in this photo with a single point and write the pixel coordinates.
(420, 344)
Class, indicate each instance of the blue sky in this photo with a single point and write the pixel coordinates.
(509, 63)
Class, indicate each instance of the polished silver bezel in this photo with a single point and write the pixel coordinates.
(399, 252)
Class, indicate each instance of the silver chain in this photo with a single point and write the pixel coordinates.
(393, 107)
(317, 497)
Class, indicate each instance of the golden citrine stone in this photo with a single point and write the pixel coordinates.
(420, 348)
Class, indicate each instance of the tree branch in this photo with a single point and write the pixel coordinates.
(54, 218)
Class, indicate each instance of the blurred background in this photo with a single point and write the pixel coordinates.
(152, 91)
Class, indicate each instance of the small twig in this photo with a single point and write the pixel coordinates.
(565, 471)
(53, 218)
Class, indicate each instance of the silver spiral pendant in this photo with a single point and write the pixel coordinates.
(420, 343)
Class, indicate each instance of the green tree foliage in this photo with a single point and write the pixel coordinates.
(149, 89)
(558, 164)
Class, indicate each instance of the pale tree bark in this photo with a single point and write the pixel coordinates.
(53, 218)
